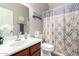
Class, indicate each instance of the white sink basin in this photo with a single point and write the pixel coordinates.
(18, 43)
(9, 38)
(21, 42)
(14, 43)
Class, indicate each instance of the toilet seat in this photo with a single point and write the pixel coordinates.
(47, 47)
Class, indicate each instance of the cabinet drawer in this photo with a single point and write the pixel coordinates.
(38, 53)
(34, 48)
(24, 52)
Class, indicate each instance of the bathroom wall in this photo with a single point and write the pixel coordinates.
(61, 29)
(35, 24)
(18, 10)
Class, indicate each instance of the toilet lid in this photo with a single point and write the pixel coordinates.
(47, 45)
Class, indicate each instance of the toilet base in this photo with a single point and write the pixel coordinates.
(45, 53)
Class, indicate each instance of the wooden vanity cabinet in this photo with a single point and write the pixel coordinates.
(34, 50)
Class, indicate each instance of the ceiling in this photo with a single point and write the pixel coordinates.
(46, 6)
(41, 7)
(54, 5)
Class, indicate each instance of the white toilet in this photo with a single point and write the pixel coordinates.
(47, 49)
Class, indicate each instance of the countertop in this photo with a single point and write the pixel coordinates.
(10, 47)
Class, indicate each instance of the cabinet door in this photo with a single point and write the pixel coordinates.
(38, 53)
(24, 52)
(35, 48)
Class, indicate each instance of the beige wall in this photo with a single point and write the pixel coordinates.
(18, 10)
(35, 24)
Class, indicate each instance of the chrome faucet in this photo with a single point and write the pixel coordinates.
(18, 37)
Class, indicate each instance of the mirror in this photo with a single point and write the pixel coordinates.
(16, 15)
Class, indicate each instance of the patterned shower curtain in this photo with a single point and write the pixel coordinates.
(61, 28)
